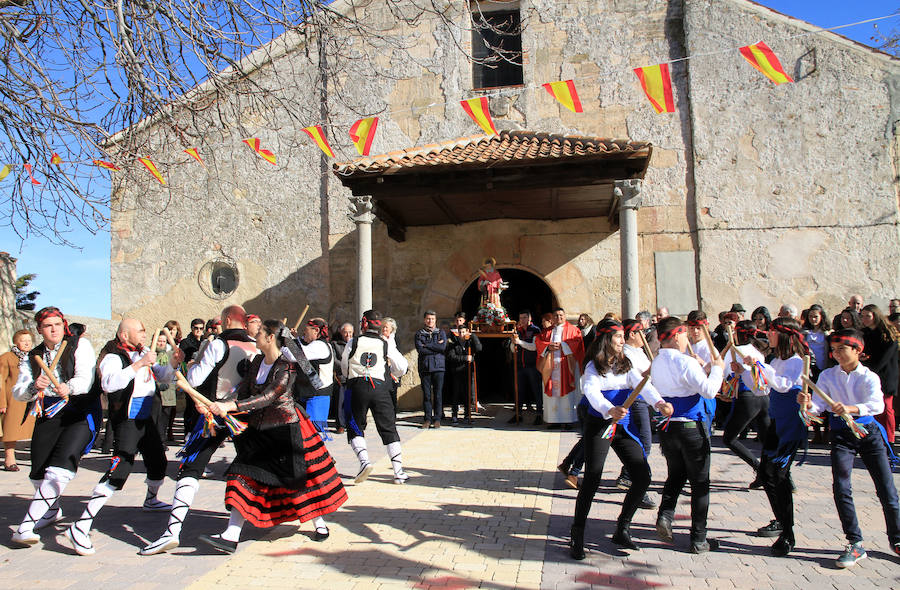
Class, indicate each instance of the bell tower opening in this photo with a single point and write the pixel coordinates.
(495, 367)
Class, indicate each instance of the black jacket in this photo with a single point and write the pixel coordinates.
(431, 346)
(458, 350)
(882, 360)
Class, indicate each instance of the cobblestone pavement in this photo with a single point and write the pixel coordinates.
(485, 508)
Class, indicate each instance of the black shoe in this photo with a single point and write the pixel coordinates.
(782, 546)
(664, 528)
(538, 420)
(773, 529)
(576, 543)
(217, 542)
(563, 468)
(454, 421)
(704, 546)
(623, 482)
(756, 483)
(647, 503)
(321, 534)
(567, 427)
(622, 537)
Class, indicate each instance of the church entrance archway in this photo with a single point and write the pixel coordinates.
(527, 291)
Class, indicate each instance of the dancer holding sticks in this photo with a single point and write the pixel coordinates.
(787, 431)
(852, 393)
(63, 436)
(610, 386)
(282, 471)
(128, 374)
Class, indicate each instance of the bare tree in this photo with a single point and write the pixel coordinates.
(78, 76)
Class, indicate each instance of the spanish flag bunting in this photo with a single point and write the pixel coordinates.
(28, 169)
(566, 94)
(317, 135)
(153, 170)
(477, 108)
(4, 172)
(763, 59)
(192, 152)
(362, 133)
(105, 164)
(55, 159)
(657, 86)
(266, 155)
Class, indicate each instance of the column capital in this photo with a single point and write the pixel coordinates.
(629, 193)
(361, 209)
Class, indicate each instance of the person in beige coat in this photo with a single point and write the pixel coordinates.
(11, 411)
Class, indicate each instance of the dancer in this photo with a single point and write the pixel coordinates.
(750, 401)
(367, 363)
(216, 376)
(787, 431)
(856, 391)
(685, 439)
(316, 402)
(282, 471)
(609, 379)
(61, 436)
(128, 374)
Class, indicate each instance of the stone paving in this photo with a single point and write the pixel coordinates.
(485, 508)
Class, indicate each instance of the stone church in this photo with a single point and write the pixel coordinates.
(749, 192)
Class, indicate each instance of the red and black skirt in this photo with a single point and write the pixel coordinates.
(283, 474)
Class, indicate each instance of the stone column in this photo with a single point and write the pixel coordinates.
(628, 193)
(362, 216)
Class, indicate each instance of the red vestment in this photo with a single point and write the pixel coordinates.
(571, 336)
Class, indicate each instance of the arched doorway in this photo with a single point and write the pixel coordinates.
(527, 292)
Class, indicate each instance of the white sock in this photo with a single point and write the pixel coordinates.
(235, 524)
(396, 455)
(102, 492)
(46, 495)
(185, 490)
(319, 523)
(358, 444)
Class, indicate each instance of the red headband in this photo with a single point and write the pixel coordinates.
(672, 333)
(610, 328)
(848, 340)
(251, 317)
(743, 331)
(52, 313)
(792, 332)
(697, 323)
(632, 326)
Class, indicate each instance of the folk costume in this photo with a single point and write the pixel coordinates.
(601, 394)
(639, 413)
(368, 362)
(561, 380)
(216, 375)
(861, 388)
(317, 402)
(684, 439)
(65, 428)
(282, 471)
(131, 395)
(749, 400)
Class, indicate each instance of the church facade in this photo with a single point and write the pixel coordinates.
(750, 192)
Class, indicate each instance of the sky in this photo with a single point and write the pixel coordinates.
(76, 279)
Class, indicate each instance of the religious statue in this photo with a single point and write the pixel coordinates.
(491, 284)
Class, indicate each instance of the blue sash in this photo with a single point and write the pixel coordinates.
(616, 397)
(789, 427)
(692, 407)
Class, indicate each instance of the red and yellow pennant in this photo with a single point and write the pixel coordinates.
(33, 180)
(362, 133)
(477, 108)
(763, 59)
(107, 165)
(194, 153)
(55, 159)
(566, 94)
(317, 135)
(4, 172)
(153, 170)
(266, 155)
(657, 86)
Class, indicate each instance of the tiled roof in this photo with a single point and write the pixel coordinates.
(487, 151)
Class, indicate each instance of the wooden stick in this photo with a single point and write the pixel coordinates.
(713, 353)
(634, 394)
(646, 346)
(169, 338)
(153, 341)
(734, 348)
(806, 365)
(193, 393)
(690, 348)
(56, 359)
(300, 319)
(284, 320)
(47, 371)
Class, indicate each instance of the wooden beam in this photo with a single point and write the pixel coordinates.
(396, 227)
(554, 204)
(442, 205)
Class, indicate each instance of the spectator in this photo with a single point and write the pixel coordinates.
(739, 310)
(529, 379)
(849, 319)
(344, 335)
(461, 350)
(856, 302)
(788, 310)
(880, 355)
(191, 344)
(586, 325)
(431, 344)
(174, 328)
(662, 313)
(16, 425)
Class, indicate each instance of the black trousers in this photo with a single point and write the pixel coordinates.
(685, 445)
(746, 409)
(195, 467)
(59, 442)
(596, 448)
(460, 393)
(131, 437)
(362, 397)
(777, 483)
(531, 390)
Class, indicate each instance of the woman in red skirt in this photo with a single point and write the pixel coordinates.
(282, 471)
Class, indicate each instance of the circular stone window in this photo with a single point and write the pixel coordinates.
(219, 278)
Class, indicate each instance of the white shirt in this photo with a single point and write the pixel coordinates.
(399, 364)
(751, 355)
(701, 349)
(210, 356)
(556, 336)
(860, 387)
(79, 384)
(784, 375)
(263, 373)
(115, 377)
(593, 385)
(678, 375)
(637, 357)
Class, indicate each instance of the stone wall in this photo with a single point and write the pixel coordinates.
(11, 319)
